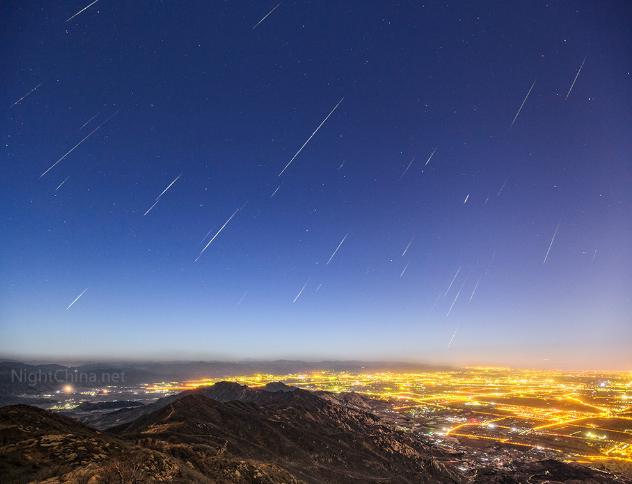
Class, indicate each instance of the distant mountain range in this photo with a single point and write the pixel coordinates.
(232, 433)
(18, 378)
(196, 369)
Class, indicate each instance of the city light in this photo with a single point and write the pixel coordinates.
(578, 416)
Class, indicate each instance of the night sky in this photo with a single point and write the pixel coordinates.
(512, 245)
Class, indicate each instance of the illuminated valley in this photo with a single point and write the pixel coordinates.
(576, 416)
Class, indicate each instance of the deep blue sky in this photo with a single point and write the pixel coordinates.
(201, 93)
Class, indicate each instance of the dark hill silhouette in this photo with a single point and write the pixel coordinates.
(312, 438)
(223, 391)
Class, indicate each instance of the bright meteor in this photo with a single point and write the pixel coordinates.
(81, 11)
(216, 234)
(311, 136)
(161, 194)
(77, 145)
(337, 249)
(76, 299)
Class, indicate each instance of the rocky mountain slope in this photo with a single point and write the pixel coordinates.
(313, 439)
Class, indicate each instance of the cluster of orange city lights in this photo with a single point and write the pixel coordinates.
(584, 416)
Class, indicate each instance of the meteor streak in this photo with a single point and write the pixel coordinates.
(76, 299)
(169, 186)
(407, 168)
(452, 338)
(456, 274)
(216, 234)
(157, 199)
(337, 248)
(523, 101)
(61, 184)
(301, 291)
(266, 15)
(574, 80)
(430, 157)
(557, 228)
(502, 187)
(26, 95)
(308, 139)
(80, 11)
(474, 290)
(408, 246)
(404, 270)
(77, 145)
(456, 298)
(88, 121)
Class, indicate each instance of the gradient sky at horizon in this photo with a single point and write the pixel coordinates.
(201, 94)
